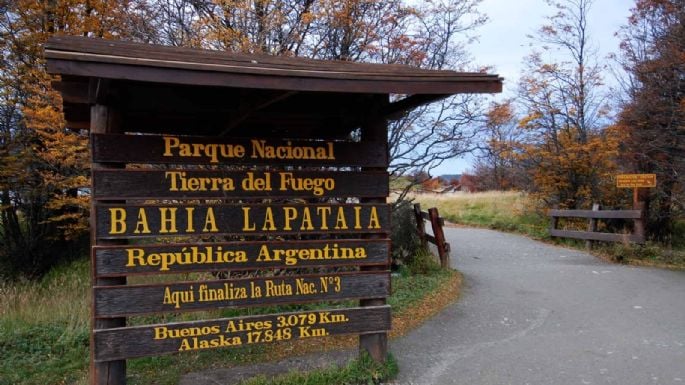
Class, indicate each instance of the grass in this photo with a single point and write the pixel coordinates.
(499, 210)
(517, 212)
(44, 338)
(359, 371)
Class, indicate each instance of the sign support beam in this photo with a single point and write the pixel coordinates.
(376, 344)
(103, 120)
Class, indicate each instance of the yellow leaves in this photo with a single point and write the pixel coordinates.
(530, 120)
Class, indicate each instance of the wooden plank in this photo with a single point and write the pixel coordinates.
(140, 221)
(208, 184)
(116, 301)
(153, 340)
(170, 73)
(170, 149)
(601, 214)
(202, 257)
(443, 248)
(324, 69)
(606, 237)
(171, 53)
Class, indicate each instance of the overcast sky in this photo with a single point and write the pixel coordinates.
(503, 43)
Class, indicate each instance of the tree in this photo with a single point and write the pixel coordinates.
(44, 166)
(498, 166)
(653, 112)
(430, 35)
(570, 155)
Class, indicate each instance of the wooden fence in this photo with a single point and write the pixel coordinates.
(438, 237)
(637, 236)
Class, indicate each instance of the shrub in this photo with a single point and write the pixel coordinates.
(405, 240)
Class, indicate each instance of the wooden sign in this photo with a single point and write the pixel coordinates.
(130, 221)
(119, 301)
(195, 184)
(171, 149)
(152, 340)
(635, 180)
(199, 257)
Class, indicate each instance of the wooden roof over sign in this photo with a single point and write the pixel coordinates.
(236, 86)
(143, 62)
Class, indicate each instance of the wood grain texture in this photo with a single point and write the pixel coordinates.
(135, 221)
(606, 237)
(178, 258)
(143, 341)
(203, 184)
(116, 301)
(151, 149)
(601, 214)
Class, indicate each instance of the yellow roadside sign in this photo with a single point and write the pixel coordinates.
(635, 180)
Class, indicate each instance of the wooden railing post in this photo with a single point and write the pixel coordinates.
(592, 226)
(554, 222)
(420, 225)
(439, 235)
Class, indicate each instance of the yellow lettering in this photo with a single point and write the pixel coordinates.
(374, 223)
(289, 214)
(323, 213)
(117, 219)
(306, 220)
(357, 218)
(169, 143)
(141, 225)
(133, 255)
(269, 223)
(167, 217)
(247, 226)
(189, 215)
(210, 222)
(341, 223)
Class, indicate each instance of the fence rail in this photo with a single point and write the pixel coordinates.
(438, 237)
(637, 236)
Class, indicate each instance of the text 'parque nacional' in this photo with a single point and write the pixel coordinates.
(258, 149)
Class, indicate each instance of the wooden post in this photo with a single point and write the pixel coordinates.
(554, 222)
(636, 197)
(591, 226)
(639, 224)
(439, 235)
(103, 120)
(375, 130)
(420, 225)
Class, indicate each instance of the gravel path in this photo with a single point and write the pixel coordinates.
(532, 313)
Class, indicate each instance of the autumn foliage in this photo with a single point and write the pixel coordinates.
(44, 175)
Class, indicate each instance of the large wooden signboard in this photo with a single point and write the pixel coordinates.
(300, 220)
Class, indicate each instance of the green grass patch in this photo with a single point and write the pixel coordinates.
(359, 371)
(499, 210)
(44, 329)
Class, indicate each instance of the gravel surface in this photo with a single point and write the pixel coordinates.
(532, 313)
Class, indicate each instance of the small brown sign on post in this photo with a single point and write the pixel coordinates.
(636, 180)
